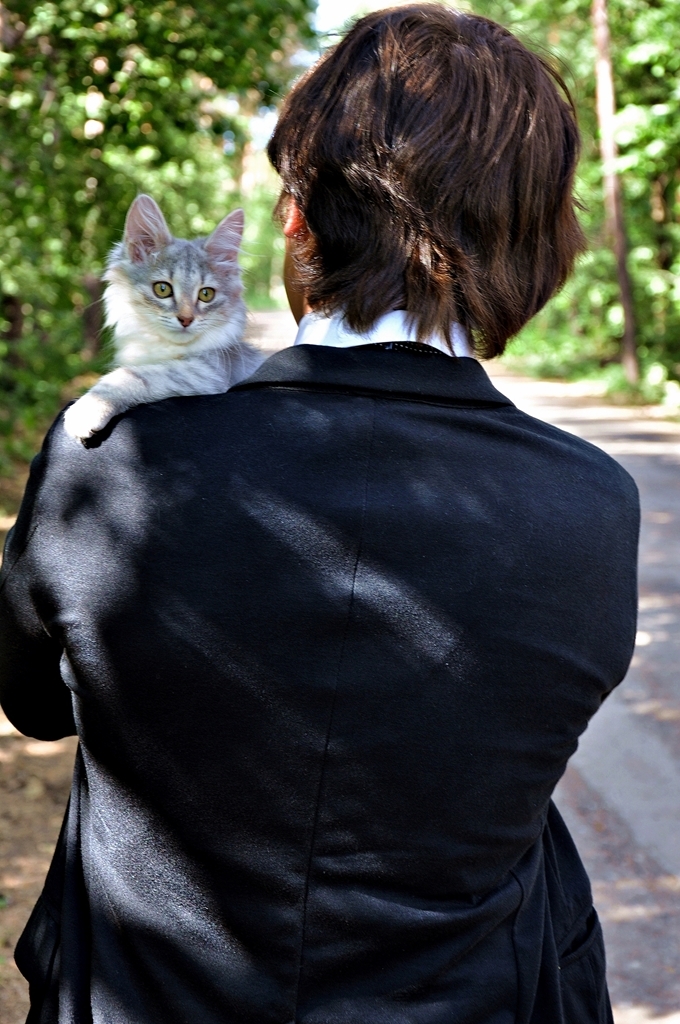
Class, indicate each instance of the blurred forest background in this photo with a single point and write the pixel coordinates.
(101, 99)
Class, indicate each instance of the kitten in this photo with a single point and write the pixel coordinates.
(178, 316)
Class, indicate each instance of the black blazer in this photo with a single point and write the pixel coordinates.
(328, 641)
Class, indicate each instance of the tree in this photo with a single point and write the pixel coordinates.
(583, 327)
(99, 100)
(606, 117)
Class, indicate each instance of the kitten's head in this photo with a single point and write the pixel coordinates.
(176, 295)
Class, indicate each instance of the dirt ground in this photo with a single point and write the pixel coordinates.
(35, 778)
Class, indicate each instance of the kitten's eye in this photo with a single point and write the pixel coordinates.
(206, 294)
(162, 289)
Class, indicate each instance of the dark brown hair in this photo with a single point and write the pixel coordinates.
(433, 157)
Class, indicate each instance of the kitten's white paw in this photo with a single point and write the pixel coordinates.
(88, 415)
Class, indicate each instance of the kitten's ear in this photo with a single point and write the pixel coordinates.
(223, 245)
(145, 229)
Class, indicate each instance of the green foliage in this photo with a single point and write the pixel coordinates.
(580, 329)
(100, 100)
(263, 248)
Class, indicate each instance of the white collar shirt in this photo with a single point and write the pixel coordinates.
(316, 329)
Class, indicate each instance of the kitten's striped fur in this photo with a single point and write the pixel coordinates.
(175, 345)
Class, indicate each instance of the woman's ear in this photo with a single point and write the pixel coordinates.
(295, 225)
(295, 229)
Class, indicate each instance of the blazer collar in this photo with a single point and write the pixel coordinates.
(406, 371)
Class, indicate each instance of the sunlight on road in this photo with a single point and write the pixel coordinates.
(642, 1015)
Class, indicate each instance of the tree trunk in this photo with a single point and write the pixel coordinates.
(612, 185)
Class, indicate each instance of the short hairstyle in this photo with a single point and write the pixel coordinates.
(433, 157)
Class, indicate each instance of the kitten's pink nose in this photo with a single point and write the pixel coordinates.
(185, 320)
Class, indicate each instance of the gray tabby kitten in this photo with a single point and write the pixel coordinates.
(178, 316)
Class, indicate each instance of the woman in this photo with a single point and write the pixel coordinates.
(329, 640)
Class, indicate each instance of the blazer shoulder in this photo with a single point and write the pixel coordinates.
(593, 458)
(65, 470)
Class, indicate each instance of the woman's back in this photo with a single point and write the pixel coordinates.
(332, 638)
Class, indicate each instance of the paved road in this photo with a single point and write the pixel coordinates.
(621, 792)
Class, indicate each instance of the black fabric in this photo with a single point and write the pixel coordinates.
(329, 641)
(414, 371)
